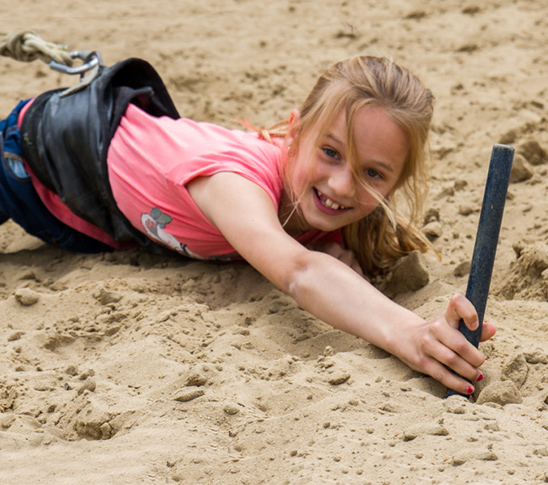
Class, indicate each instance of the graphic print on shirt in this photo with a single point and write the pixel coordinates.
(154, 224)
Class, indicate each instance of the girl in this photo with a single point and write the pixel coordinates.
(311, 203)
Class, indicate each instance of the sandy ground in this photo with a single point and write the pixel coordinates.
(130, 368)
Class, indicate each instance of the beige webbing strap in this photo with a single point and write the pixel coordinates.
(27, 46)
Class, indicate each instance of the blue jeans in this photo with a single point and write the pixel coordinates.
(20, 202)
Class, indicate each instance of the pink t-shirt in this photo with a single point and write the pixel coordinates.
(151, 160)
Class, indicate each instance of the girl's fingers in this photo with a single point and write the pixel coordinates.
(449, 379)
(488, 329)
(461, 308)
(464, 361)
(455, 344)
(357, 268)
(345, 256)
(349, 258)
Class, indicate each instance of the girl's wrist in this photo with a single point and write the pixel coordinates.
(396, 330)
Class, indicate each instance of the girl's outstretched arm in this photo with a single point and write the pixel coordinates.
(335, 293)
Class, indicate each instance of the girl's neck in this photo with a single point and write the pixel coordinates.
(290, 217)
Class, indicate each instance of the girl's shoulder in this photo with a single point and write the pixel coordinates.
(191, 139)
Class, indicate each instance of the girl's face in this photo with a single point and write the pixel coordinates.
(331, 196)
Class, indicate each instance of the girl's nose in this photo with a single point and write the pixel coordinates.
(341, 182)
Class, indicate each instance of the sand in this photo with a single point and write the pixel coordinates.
(133, 368)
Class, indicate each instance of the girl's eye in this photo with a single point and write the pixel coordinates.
(330, 152)
(372, 173)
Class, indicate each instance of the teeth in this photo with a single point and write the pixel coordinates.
(332, 205)
(329, 203)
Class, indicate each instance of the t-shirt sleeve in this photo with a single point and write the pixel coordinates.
(230, 151)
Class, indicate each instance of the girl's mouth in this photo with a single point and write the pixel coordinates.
(327, 203)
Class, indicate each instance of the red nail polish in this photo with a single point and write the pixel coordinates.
(480, 377)
(469, 390)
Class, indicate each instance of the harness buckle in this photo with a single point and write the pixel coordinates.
(91, 60)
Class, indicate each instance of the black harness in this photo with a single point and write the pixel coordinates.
(65, 139)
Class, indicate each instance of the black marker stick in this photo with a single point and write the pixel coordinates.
(485, 248)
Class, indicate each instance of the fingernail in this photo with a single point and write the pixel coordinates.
(469, 390)
(480, 377)
(475, 325)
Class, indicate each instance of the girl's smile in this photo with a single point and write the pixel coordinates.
(326, 205)
(332, 194)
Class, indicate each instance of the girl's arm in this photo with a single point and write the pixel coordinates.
(332, 291)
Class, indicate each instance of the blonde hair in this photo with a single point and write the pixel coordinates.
(385, 235)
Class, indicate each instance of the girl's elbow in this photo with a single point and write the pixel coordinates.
(299, 277)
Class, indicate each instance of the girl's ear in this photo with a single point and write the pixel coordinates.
(293, 123)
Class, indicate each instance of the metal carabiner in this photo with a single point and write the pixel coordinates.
(88, 71)
(91, 60)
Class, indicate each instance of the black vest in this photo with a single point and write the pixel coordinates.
(65, 139)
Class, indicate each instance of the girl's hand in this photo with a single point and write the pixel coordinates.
(435, 346)
(344, 255)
